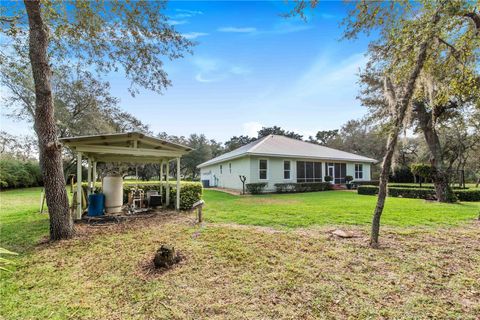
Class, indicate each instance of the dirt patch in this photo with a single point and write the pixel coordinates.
(147, 271)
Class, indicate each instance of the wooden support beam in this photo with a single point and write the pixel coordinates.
(167, 187)
(161, 177)
(94, 174)
(78, 213)
(177, 203)
(130, 159)
(89, 177)
(123, 151)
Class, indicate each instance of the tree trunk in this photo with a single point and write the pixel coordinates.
(401, 105)
(61, 225)
(443, 191)
(382, 188)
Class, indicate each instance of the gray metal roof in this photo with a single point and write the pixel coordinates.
(281, 146)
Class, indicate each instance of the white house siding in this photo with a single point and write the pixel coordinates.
(274, 171)
(249, 167)
(227, 179)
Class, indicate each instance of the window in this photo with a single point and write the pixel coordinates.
(309, 171)
(286, 170)
(230, 167)
(262, 169)
(358, 171)
(221, 169)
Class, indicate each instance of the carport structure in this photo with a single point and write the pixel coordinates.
(130, 147)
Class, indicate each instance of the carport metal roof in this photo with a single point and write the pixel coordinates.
(125, 147)
(130, 147)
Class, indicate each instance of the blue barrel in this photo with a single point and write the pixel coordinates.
(96, 204)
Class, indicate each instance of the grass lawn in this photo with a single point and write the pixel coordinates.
(428, 268)
(331, 207)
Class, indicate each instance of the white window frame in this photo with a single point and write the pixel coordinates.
(358, 171)
(230, 167)
(266, 173)
(221, 169)
(289, 170)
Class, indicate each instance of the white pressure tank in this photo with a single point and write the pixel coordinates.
(113, 190)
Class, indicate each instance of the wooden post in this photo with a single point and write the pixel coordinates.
(89, 177)
(167, 187)
(161, 178)
(200, 214)
(79, 186)
(177, 204)
(94, 174)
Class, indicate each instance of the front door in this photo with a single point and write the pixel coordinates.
(331, 170)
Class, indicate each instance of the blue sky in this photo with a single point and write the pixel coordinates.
(251, 68)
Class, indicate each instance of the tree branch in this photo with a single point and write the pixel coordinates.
(475, 17)
(454, 50)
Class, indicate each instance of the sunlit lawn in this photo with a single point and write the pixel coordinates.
(331, 207)
(427, 267)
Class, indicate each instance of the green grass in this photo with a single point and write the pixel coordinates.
(21, 225)
(331, 208)
(247, 272)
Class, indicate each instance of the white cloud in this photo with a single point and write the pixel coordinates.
(251, 128)
(237, 29)
(177, 22)
(214, 70)
(194, 35)
(327, 76)
(190, 12)
(239, 70)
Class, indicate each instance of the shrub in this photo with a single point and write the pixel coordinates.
(401, 175)
(328, 178)
(348, 179)
(420, 193)
(366, 182)
(467, 195)
(17, 174)
(189, 192)
(367, 190)
(256, 188)
(302, 187)
(415, 193)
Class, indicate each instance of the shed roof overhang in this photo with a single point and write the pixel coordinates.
(125, 147)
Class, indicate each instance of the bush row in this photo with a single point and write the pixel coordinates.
(397, 185)
(189, 192)
(366, 182)
(302, 187)
(420, 193)
(256, 188)
(19, 174)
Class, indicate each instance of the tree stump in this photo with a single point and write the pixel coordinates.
(165, 257)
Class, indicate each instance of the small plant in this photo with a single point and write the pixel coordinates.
(328, 179)
(256, 188)
(348, 180)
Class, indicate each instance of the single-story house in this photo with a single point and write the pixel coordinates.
(279, 159)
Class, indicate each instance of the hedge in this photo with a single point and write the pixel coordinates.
(189, 192)
(256, 188)
(419, 193)
(19, 174)
(468, 195)
(366, 182)
(397, 185)
(302, 187)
